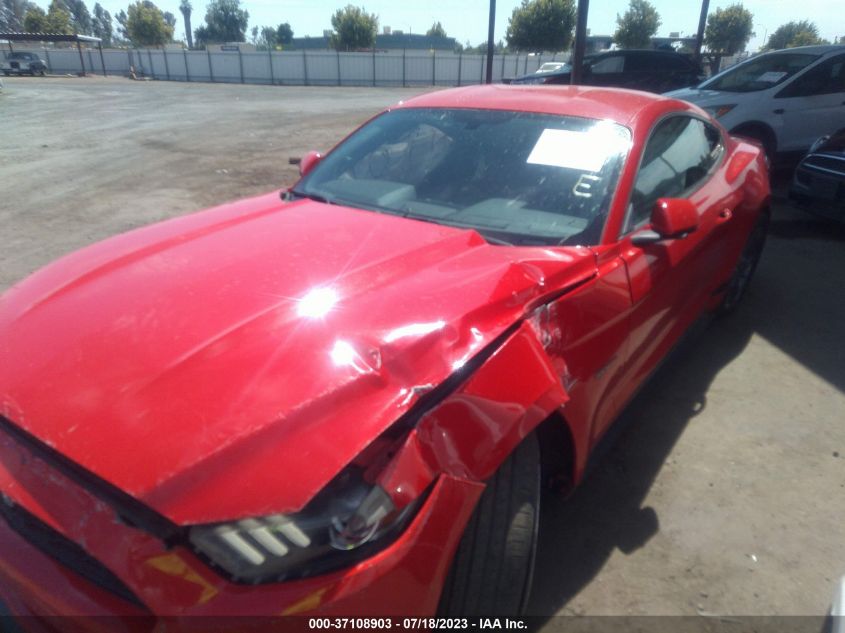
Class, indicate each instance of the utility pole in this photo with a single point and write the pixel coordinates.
(702, 21)
(490, 29)
(580, 42)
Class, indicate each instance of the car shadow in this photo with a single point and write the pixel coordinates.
(578, 535)
(795, 223)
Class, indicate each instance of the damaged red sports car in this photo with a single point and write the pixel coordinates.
(343, 398)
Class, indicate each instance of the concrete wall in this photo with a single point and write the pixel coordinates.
(309, 68)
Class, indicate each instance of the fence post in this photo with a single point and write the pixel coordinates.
(305, 66)
(374, 65)
(270, 57)
(404, 84)
(46, 54)
(337, 53)
(152, 70)
(210, 69)
(81, 59)
(166, 65)
(460, 63)
(187, 72)
(504, 57)
(483, 64)
(525, 69)
(241, 64)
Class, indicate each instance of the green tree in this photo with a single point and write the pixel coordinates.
(146, 26)
(102, 25)
(284, 34)
(354, 28)
(170, 20)
(121, 18)
(792, 34)
(728, 30)
(436, 30)
(186, 8)
(639, 24)
(541, 25)
(225, 21)
(481, 49)
(267, 38)
(12, 15)
(58, 18)
(80, 18)
(35, 20)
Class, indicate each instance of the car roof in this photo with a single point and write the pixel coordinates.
(615, 104)
(819, 49)
(629, 51)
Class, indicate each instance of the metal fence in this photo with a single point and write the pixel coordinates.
(299, 68)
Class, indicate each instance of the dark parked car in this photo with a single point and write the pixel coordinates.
(20, 63)
(654, 71)
(819, 181)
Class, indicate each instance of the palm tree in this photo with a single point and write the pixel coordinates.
(185, 7)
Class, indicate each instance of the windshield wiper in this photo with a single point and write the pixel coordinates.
(316, 197)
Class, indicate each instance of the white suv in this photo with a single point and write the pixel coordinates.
(785, 99)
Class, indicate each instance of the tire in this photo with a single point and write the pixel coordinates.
(493, 565)
(746, 266)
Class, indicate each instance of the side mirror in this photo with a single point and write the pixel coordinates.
(671, 218)
(309, 162)
(674, 217)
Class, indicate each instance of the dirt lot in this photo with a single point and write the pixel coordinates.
(724, 492)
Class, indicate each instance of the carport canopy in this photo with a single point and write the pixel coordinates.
(58, 37)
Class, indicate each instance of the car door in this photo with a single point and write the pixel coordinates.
(671, 280)
(811, 105)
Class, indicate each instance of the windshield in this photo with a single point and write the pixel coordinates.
(20, 56)
(515, 177)
(760, 73)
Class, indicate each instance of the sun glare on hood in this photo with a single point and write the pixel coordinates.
(317, 303)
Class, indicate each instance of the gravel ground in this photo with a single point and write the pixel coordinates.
(724, 491)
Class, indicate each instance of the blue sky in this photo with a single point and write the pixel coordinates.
(467, 19)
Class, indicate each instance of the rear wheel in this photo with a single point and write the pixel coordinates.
(492, 569)
(746, 265)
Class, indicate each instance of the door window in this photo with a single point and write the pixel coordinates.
(612, 64)
(676, 160)
(826, 78)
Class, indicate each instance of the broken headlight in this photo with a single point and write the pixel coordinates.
(346, 522)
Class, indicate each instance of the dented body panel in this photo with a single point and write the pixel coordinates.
(230, 364)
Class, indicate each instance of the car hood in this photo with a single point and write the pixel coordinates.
(704, 98)
(835, 144)
(230, 363)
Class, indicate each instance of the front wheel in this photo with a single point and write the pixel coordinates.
(492, 569)
(746, 265)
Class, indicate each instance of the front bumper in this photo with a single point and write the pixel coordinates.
(404, 579)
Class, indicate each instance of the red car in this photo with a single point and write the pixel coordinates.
(343, 398)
